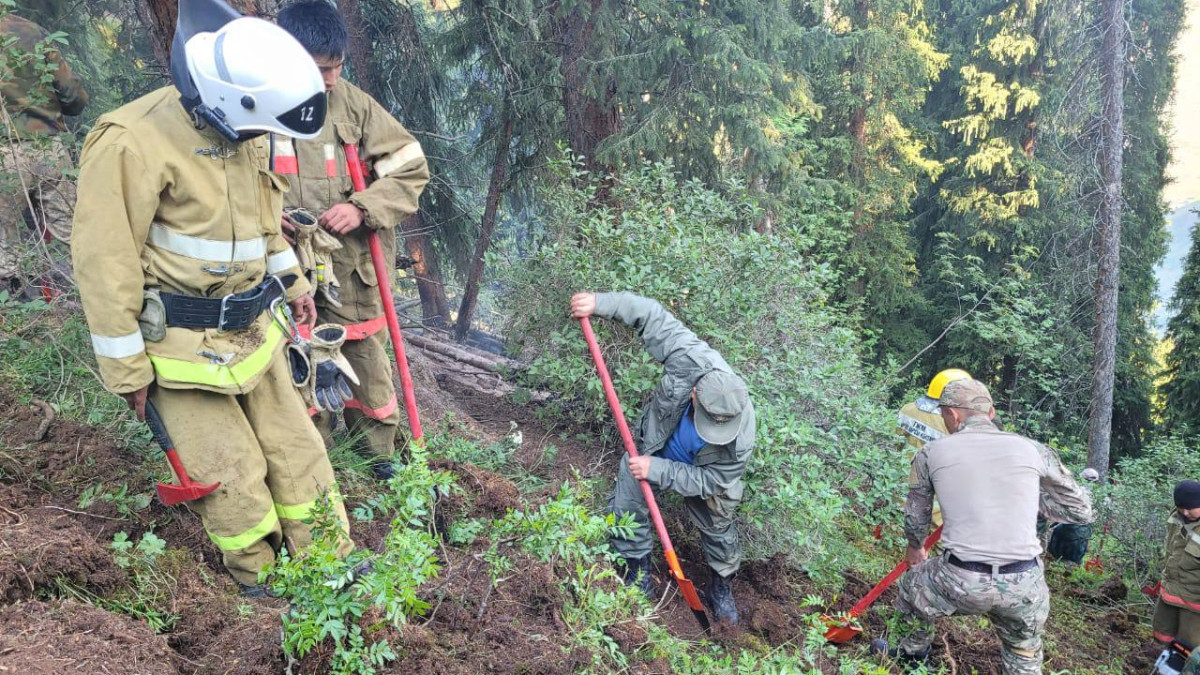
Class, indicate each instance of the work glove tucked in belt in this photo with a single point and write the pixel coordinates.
(331, 369)
(314, 249)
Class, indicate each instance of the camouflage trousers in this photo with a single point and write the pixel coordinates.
(713, 518)
(1017, 605)
(33, 179)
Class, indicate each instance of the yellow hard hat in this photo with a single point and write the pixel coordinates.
(929, 402)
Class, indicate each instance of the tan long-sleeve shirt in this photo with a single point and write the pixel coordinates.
(991, 486)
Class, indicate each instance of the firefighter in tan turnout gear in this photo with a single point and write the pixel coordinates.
(184, 272)
(34, 159)
(320, 182)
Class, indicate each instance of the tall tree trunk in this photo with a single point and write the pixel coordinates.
(160, 16)
(1112, 140)
(589, 120)
(435, 308)
(487, 225)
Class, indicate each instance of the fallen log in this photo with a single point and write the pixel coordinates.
(495, 364)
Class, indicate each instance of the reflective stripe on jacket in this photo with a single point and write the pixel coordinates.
(163, 205)
(316, 170)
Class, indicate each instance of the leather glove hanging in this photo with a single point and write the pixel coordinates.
(314, 249)
(332, 372)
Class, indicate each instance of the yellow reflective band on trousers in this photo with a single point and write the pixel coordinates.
(211, 374)
(295, 511)
(303, 511)
(240, 541)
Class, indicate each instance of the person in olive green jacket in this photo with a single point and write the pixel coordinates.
(696, 436)
(35, 161)
(320, 183)
(1177, 613)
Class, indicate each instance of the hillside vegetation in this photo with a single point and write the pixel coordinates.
(841, 197)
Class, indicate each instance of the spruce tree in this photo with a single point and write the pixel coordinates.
(1182, 388)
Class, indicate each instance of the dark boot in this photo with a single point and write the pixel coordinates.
(913, 649)
(637, 573)
(383, 469)
(720, 599)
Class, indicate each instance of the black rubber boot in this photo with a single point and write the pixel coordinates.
(637, 573)
(383, 469)
(912, 650)
(720, 599)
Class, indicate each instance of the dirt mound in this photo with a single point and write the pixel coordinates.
(492, 494)
(226, 634)
(40, 544)
(63, 452)
(39, 638)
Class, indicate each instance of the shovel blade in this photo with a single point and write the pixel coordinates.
(839, 632)
(688, 590)
(176, 494)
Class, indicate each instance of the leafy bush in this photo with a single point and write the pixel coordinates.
(332, 597)
(1135, 505)
(825, 456)
(566, 534)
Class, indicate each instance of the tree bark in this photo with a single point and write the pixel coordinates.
(487, 225)
(435, 308)
(160, 17)
(589, 121)
(1112, 140)
(362, 63)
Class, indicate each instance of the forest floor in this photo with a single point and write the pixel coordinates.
(69, 604)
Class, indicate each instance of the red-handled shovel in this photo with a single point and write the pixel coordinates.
(686, 588)
(383, 274)
(844, 631)
(186, 491)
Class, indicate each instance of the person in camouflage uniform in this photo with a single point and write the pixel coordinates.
(35, 161)
(1177, 612)
(992, 485)
(318, 175)
(696, 437)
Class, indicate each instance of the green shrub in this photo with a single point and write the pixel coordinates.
(348, 601)
(1135, 505)
(826, 455)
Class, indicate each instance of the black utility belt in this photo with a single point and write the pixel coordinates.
(984, 568)
(236, 311)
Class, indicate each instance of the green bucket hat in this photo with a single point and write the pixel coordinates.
(721, 401)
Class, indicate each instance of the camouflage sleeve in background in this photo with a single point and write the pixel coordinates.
(1062, 500)
(37, 107)
(918, 508)
(68, 87)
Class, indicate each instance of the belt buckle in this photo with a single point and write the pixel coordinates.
(224, 308)
(233, 298)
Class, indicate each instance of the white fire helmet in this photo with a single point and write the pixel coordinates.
(251, 77)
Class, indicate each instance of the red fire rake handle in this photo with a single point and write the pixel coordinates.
(686, 587)
(892, 576)
(383, 275)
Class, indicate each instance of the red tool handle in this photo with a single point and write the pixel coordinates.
(626, 436)
(892, 576)
(686, 588)
(383, 275)
(159, 430)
